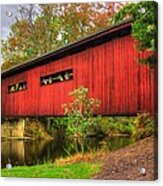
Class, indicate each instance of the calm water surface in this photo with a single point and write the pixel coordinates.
(29, 152)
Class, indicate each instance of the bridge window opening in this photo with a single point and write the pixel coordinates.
(17, 87)
(57, 77)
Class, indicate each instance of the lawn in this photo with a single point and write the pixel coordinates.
(82, 170)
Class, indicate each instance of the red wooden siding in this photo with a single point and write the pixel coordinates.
(110, 71)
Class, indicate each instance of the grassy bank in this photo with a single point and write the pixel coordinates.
(82, 170)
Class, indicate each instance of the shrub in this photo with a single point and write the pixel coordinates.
(145, 125)
(80, 113)
(113, 125)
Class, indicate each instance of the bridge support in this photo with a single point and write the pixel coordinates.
(13, 128)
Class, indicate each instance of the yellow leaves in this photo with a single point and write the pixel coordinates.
(104, 121)
(21, 28)
(13, 41)
(79, 157)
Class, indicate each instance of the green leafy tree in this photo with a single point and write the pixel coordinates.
(144, 27)
(80, 114)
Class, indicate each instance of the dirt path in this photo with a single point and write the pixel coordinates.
(135, 162)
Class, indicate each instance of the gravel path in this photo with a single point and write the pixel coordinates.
(135, 162)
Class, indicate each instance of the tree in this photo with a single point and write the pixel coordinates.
(28, 12)
(42, 28)
(80, 114)
(16, 48)
(144, 27)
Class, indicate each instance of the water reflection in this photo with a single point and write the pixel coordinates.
(28, 152)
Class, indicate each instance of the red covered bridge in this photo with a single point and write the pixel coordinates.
(106, 63)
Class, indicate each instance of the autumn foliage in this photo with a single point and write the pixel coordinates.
(42, 28)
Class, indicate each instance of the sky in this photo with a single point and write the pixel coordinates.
(8, 13)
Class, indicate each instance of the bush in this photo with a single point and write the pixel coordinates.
(113, 126)
(145, 125)
(80, 114)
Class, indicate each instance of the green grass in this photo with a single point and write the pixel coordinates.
(81, 170)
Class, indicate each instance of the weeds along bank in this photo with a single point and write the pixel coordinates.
(140, 126)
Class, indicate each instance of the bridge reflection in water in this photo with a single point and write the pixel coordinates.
(31, 152)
